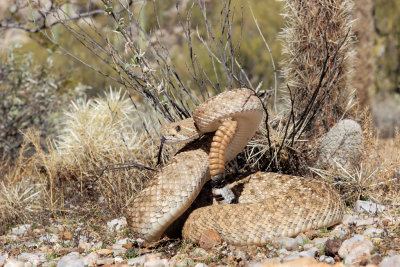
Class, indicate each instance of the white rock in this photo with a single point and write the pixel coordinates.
(393, 261)
(105, 261)
(3, 258)
(349, 219)
(29, 257)
(289, 243)
(309, 253)
(355, 248)
(71, 260)
(157, 263)
(21, 230)
(373, 232)
(49, 238)
(319, 241)
(11, 262)
(302, 239)
(200, 265)
(367, 222)
(124, 241)
(327, 259)
(118, 249)
(117, 224)
(91, 259)
(118, 259)
(140, 261)
(368, 207)
(199, 252)
(340, 231)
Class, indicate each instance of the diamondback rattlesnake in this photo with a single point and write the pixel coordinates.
(271, 205)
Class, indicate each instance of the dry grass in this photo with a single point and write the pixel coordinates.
(90, 168)
(377, 178)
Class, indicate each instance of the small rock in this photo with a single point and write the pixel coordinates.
(373, 232)
(49, 238)
(98, 245)
(117, 224)
(355, 249)
(209, 239)
(200, 265)
(311, 253)
(326, 259)
(199, 252)
(118, 249)
(29, 257)
(366, 222)
(84, 246)
(332, 247)
(140, 261)
(124, 241)
(3, 259)
(376, 259)
(340, 231)
(21, 230)
(66, 236)
(288, 243)
(128, 246)
(319, 241)
(157, 263)
(105, 261)
(71, 260)
(104, 252)
(349, 219)
(393, 261)
(91, 259)
(302, 239)
(368, 207)
(11, 262)
(118, 259)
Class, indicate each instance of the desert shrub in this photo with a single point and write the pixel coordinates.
(95, 165)
(31, 96)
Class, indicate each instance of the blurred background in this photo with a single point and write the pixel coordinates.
(39, 76)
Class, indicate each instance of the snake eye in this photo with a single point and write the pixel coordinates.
(178, 128)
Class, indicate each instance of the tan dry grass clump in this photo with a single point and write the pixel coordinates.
(88, 169)
(316, 30)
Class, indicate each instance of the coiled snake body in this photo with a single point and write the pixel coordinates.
(271, 205)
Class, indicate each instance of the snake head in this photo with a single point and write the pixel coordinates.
(179, 132)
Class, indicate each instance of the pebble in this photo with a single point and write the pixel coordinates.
(372, 232)
(71, 260)
(393, 261)
(141, 260)
(368, 207)
(289, 243)
(356, 249)
(3, 258)
(29, 257)
(117, 224)
(21, 230)
(209, 239)
(326, 259)
(11, 262)
(49, 238)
